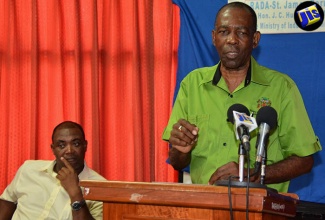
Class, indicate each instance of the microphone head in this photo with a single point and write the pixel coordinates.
(267, 115)
(238, 108)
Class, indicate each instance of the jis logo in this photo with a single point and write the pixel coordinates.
(244, 118)
(309, 15)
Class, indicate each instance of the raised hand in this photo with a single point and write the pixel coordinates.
(183, 136)
(68, 178)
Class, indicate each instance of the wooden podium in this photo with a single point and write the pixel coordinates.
(162, 201)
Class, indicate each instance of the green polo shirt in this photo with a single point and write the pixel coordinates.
(203, 99)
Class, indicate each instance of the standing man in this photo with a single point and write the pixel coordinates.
(198, 131)
(50, 189)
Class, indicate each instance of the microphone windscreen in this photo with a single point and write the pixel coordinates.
(267, 115)
(238, 108)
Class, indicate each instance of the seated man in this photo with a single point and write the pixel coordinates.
(50, 189)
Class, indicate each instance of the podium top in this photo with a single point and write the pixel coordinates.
(190, 195)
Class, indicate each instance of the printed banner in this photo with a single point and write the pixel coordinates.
(277, 17)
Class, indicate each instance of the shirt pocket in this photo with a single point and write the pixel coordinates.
(204, 140)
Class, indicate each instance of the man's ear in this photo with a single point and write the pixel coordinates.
(213, 37)
(256, 39)
(52, 148)
(86, 145)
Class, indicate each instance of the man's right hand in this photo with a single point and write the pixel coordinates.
(183, 136)
(69, 180)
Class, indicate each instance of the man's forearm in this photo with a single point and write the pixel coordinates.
(178, 159)
(288, 169)
(83, 212)
(7, 209)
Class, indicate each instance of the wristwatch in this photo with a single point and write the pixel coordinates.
(77, 205)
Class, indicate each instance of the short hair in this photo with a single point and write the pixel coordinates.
(243, 6)
(68, 124)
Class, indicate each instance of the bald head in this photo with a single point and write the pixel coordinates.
(68, 124)
(241, 6)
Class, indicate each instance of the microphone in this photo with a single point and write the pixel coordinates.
(266, 118)
(238, 114)
(236, 107)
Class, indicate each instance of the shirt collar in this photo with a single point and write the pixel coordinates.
(253, 74)
(48, 168)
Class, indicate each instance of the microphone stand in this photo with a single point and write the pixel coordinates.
(241, 153)
(263, 164)
(243, 150)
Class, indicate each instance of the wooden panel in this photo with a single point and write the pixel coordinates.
(158, 201)
(138, 211)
